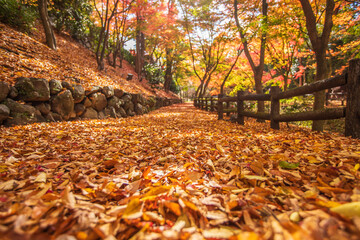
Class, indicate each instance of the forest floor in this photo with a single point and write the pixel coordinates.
(177, 173)
(23, 55)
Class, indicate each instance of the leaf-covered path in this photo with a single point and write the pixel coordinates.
(176, 173)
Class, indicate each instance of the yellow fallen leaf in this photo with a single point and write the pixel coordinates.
(3, 168)
(249, 236)
(133, 209)
(181, 222)
(46, 187)
(89, 190)
(69, 197)
(110, 186)
(328, 204)
(254, 177)
(356, 167)
(348, 209)
(188, 204)
(218, 233)
(157, 190)
(41, 178)
(174, 208)
(220, 148)
(188, 164)
(313, 159)
(152, 216)
(8, 185)
(216, 215)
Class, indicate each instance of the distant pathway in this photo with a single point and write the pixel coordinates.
(175, 173)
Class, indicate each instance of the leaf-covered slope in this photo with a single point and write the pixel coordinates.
(177, 173)
(28, 56)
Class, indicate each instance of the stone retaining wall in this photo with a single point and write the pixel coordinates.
(38, 100)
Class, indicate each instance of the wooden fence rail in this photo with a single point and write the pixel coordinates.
(351, 112)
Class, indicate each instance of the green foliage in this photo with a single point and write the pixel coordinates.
(174, 87)
(17, 15)
(154, 75)
(72, 16)
(128, 56)
(298, 104)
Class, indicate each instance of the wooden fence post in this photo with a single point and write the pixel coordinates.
(240, 108)
(352, 115)
(220, 108)
(211, 104)
(275, 107)
(195, 102)
(207, 105)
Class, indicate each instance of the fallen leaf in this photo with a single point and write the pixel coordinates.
(133, 209)
(287, 165)
(349, 210)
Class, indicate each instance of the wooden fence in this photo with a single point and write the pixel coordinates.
(351, 112)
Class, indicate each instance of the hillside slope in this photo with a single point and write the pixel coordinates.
(27, 56)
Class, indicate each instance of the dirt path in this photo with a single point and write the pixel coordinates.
(176, 173)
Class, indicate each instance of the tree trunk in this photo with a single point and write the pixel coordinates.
(168, 71)
(257, 69)
(229, 72)
(121, 58)
(320, 97)
(49, 33)
(319, 44)
(101, 64)
(140, 52)
(115, 54)
(199, 89)
(259, 89)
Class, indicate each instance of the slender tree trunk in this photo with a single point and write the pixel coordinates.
(285, 82)
(98, 47)
(168, 71)
(121, 55)
(259, 89)
(49, 33)
(257, 69)
(319, 42)
(140, 52)
(320, 97)
(198, 90)
(104, 33)
(229, 72)
(101, 66)
(115, 54)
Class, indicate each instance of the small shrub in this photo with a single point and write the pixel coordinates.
(19, 16)
(154, 75)
(128, 56)
(298, 104)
